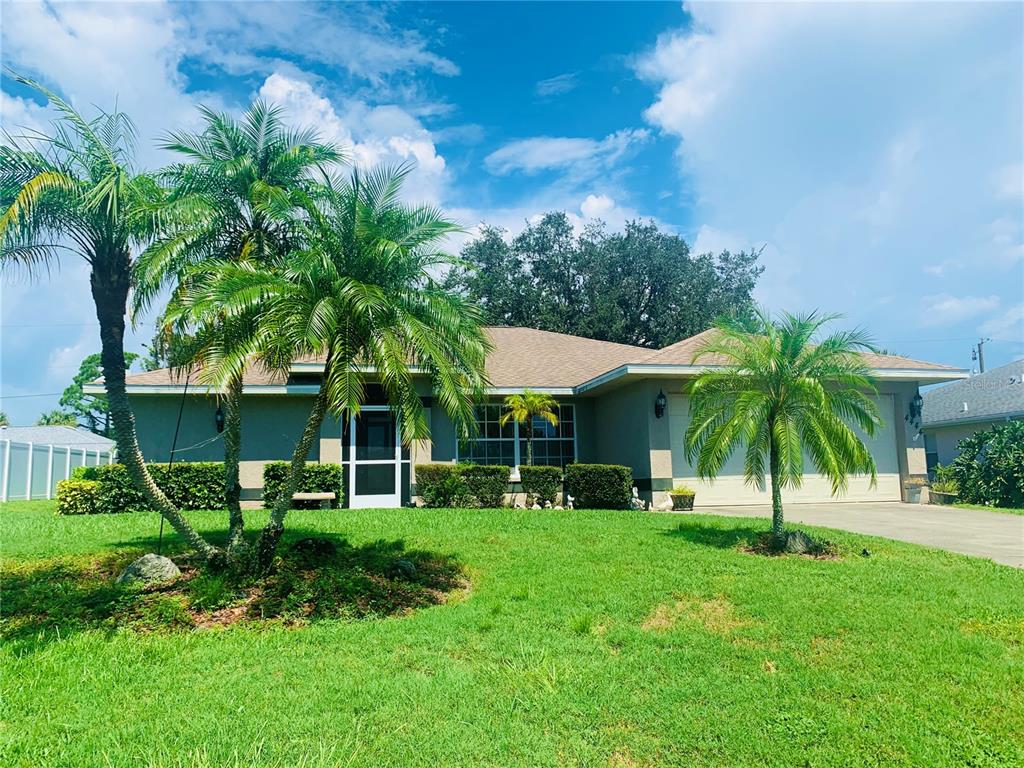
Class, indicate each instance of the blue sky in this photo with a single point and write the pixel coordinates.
(874, 151)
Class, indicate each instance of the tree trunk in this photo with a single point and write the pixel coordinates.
(271, 534)
(110, 294)
(232, 455)
(773, 467)
(529, 451)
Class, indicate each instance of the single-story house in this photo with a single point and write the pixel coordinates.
(958, 410)
(607, 394)
(76, 438)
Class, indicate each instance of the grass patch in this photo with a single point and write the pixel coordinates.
(986, 508)
(909, 657)
(312, 579)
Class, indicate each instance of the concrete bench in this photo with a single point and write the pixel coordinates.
(325, 499)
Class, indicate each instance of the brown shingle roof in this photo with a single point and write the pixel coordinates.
(527, 357)
(682, 352)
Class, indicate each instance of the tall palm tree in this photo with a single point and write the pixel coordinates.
(235, 198)
(76, 191)
(524, 408)
(778, 393)
(363, 295)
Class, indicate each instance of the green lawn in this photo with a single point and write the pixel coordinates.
(586, 639)
(1005, 510)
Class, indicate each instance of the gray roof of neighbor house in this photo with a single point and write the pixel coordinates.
(527, 357)
(994, 394)
(72, 437)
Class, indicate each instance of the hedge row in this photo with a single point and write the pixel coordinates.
(108, 489)
(599, 486)
(316, 478)
(594, 486)
(540, 484)
(462, 485)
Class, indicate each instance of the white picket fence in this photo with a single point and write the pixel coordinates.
(32, 470)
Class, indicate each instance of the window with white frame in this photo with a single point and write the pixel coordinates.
(553, 445)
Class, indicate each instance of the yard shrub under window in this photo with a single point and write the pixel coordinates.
(77, 497)
(599, 486)
(540, 484)
(316, 478)
(486, 483)
(441, 485)
(990, 467)
(187, 485)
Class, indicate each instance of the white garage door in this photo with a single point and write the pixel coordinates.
(729, 487)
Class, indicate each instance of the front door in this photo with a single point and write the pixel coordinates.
(375, 467)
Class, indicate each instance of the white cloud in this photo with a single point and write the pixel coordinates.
(557, 85)
(843, 138)
(251, 37)
(541, 153)
(1009, 182)
(944, 309)
(372, 135)
(1008, 326)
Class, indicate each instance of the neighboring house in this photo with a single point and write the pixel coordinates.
(607, 394)
(34, 459)
(76, 438)
(958, 410)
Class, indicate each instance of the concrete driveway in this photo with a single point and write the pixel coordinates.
(972, 532)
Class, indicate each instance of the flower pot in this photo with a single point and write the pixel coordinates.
(682, 502)
(938, 497)
(914, 494)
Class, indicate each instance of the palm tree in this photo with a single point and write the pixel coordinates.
(56, 418)
(363, 295)
(779, 393)
(524, 408)
(236, 198)
(76, 192)
(4, 421)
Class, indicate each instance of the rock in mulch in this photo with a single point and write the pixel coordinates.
(403, 568)
(149, 569)
(799, 543)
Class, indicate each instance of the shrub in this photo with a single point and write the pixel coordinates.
(448, 490)
(486, 483)
(83, 472)
(945, 481)
(599, 486)
(679, 490)
(77, 497)
(540, 484)
(187, 485)
(990, 467)
(316, 478)
(428, 474)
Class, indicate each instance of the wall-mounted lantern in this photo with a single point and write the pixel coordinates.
(218, 419)
(659, 404)
(915, 409)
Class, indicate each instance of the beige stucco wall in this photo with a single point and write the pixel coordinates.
(628, 432)
(947, 439)
(621, 427)
(271, 425)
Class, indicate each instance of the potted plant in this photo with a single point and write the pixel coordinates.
(916, 487)
(944, 488)
(682, 498)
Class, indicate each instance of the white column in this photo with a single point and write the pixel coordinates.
(398, 458)
(7, 471)
(67, 463)
(110, 456)
(49, 472)
(28, 474)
